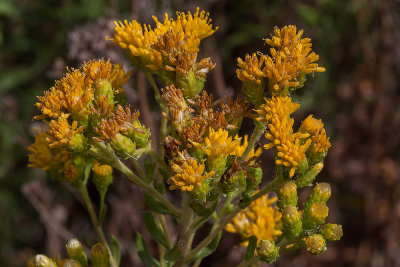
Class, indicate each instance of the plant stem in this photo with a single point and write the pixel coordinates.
(219, 226)
(85, 195)
(164, 227)
(185, 232)
(160, 161)
(255, 136)
(164, 108)
(149, 188)
(139, 169)
(249, 262)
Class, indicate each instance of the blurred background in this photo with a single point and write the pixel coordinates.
(358, 98)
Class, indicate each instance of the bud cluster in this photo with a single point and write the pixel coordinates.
(77, 257)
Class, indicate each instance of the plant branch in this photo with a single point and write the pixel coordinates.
(85, 195)
(255, 136)
(149, 188)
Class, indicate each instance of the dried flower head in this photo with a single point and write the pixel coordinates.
(261, 219)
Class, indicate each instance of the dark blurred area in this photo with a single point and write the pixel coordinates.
(358, 98)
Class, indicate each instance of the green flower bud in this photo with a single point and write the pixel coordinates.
(231, 182)
(79, 143)
(72, 263)
(76, 252)
(105, 88)
(142, 136)
(102, 177)
(44, 261)
(103, 152)
(254, 91)
(315, 244)
(315, 215)
(217, 164)
(190, 84)
(123, 146)
(200, 192)
(292, 224)
(308, 177)
(320, 193)
(253, 179)
(100, 256)
(267, 251)
(332, 232)
(287, 195)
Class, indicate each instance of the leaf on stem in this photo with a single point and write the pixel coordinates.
(251, 247)
(204, 252)
(144, 253)
(155, 205)
(115, 251)
(153, 228)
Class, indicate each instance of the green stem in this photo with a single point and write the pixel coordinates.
(197, 263)
(139, 169)
(249, 262)
(219, 226)
(160, 161)
(133, 178)
(164, 121)
(185, 233)
(255, 136)
(164, 227)
(85, 196)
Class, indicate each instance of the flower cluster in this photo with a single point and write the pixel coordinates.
(87, 129)
(290, 59)
(170, 49)
(78, 112)
(261, 219)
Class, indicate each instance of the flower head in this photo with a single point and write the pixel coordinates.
(320, 142)
(42, 156)
(218, 144)
(62, 133)
(291, 57)
(261, 219)
(189, 173)
(172, 45)
(276, 113)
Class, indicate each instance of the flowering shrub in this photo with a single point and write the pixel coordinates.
(89, 132)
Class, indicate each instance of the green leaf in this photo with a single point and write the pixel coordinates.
(164, 173)
(149, 168)
(155, 205)
(204, 252)
(153, 228)
(115, 251)
(172, 255)
(203, 212)
(251, 247)
(144, 253)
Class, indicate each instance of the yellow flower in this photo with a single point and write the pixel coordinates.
(320, 142)
(101, 170)
(42, 156)
(61, 133)
(250, 69)
(253, 155)
(276, 113)
(69, 95)
(71, 172)
(175, 40)
(291, 58)
(261, 219)
(188, 174)
(100, 71)
(218, 144)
